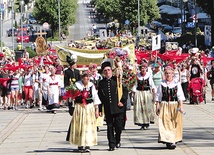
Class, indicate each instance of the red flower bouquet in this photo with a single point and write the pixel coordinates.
(72, 91)
(129, 77)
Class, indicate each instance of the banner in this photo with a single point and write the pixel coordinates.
(84, 57)
(86, 50)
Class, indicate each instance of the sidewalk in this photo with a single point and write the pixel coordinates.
(35, 132)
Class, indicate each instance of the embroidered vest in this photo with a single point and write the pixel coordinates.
(89, 99)
(169, 94)
(143, 84)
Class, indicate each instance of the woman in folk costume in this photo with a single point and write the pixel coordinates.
(83, 128)
(95, 76)
(53, 90)
(169, 108)
(95, 79)
(144, 92)
(44, 84)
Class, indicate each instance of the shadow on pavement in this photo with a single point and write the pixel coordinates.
(63, 150)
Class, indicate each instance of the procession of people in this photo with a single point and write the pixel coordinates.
(157, 85)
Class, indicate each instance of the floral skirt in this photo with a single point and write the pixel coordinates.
(83, 126)
(143, 108)
(170, 123)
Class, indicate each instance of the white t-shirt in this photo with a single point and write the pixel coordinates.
(28, 80)
(43, 80)
(184, 76)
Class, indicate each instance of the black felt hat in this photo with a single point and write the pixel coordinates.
(70, 61)
(105, 64)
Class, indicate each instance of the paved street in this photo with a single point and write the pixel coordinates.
(36, 132)
(83, 24)
(7, 24)
(33, 132)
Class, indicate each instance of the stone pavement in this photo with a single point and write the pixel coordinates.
(35, 132)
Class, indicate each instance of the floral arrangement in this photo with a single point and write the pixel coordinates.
(129, 77)
(71, 91)
(117, 52)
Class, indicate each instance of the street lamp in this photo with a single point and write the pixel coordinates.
(59, 17)
(195, 24)
(183, 15)
(21, 4)
(138, 14)
(12, 17)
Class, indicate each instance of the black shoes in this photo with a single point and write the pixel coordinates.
(111, 149)
(32, 106)
(118, 145)
(87, 149)
(98, 129)
(10, 107)
(80, 148)
(144, 127)
(170, 146)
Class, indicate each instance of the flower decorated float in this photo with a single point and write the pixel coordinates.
(122, 69)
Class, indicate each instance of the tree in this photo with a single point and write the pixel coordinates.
(110, 8)
(208, 7)
(128, 9)
(47, 11)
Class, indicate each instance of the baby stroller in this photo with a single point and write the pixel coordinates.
(196, 91)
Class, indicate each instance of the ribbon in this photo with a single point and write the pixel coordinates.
(85, 94)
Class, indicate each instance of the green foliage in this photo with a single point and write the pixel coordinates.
(47, 11)
(128, 9)
(108, 7)
(198, 29)
(16, 24)
(31, 52)
(55, 37)
(1, 42)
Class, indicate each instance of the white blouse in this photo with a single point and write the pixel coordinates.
(180, 94)
(147, 76)
(95, 97)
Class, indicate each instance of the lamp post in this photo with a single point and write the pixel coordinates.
(183, 15)
(59, 17)
(181, 7)
(138, 15)
(21, 4)
(12, 17)
(195, 24)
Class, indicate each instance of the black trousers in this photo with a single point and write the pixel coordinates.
(184, 87)
(114, 128)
